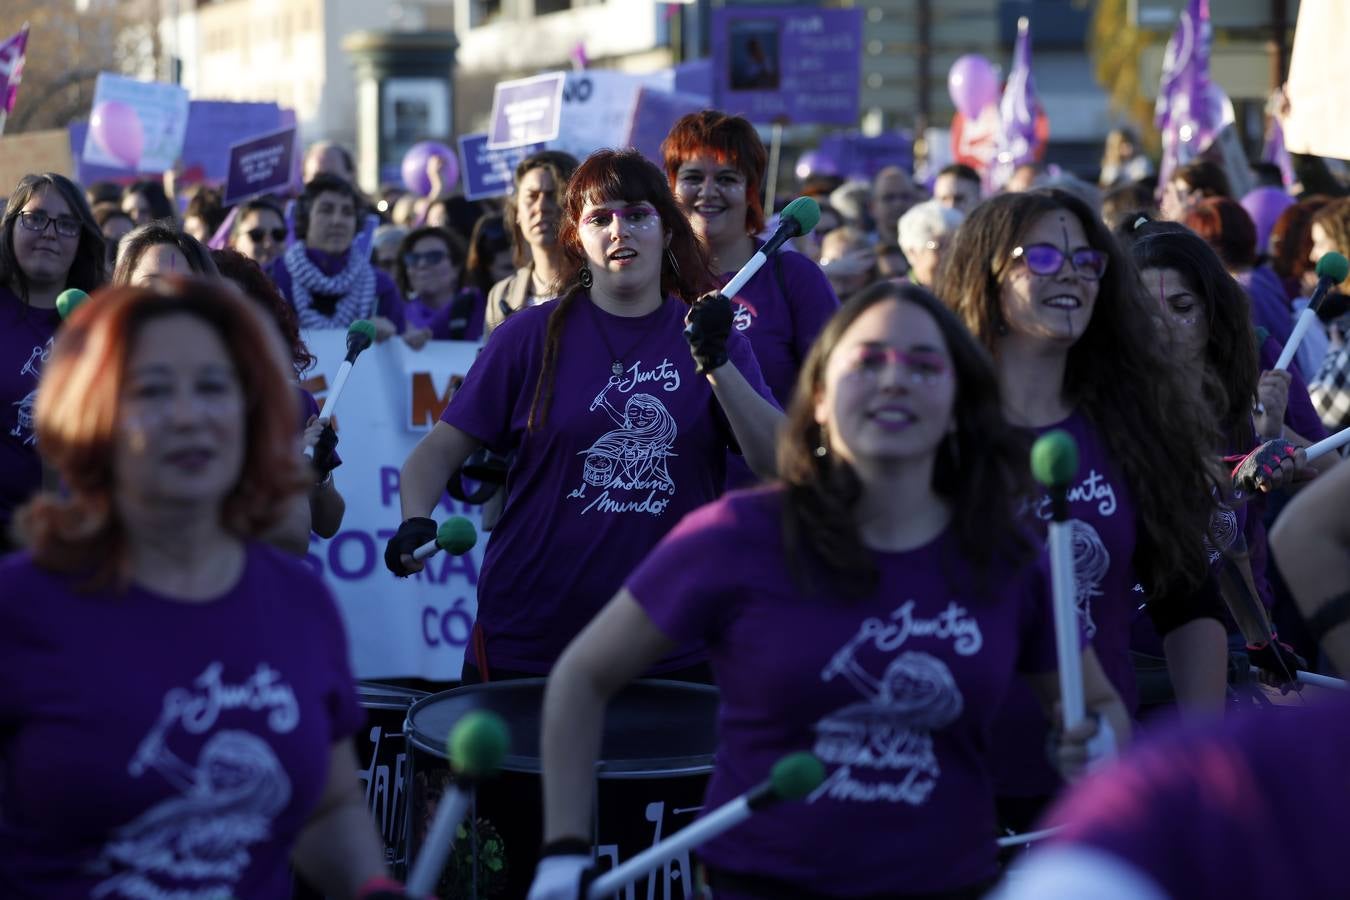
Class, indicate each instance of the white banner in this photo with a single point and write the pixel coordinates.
(597, 108)
(1317, 122)
(398, 627)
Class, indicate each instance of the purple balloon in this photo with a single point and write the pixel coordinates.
(414, 169)
(116, 128)
(1264, 205)
(973, 84)
(816, 162)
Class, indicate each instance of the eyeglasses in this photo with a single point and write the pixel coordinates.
(921, 366)
(1047, 259)
(256, 235)
(430, 258)
(37, 220)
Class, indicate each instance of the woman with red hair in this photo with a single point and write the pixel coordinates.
(715, 164)
(620, 418)
(210, 747)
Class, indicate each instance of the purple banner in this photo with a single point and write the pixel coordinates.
(1017, 138)
(653, 113)
(857, 156)
(261, 165)
(793, 66)
(528, 111)
(12, 53)
(486, 172)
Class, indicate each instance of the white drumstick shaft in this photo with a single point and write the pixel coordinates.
(1323, 681)
(747, 272)
(1031, 837)
(1301, 327)
(722, 819)
(1067, 643)
(426, 551)
(339, 382)
(1327, 445)
(427, 870)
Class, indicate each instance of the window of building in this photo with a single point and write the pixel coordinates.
(544, 7)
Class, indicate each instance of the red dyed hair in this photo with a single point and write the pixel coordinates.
(1291, 242)
(732, 141)
(79, 407)
(1226, 227)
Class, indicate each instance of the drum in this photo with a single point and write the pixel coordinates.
(656, 757)
(382, 752)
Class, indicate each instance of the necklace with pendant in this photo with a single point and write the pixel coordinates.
(617, 366)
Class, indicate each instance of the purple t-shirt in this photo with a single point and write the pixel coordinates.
(1270, 304)
(156, 748)
(26, 341)
(459, 320)
(895, 692)
(619, 461)
(388, 302)
(1238, 807)
(781, 325)
(1103, 549)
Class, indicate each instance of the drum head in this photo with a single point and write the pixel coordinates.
(652, 727)
(374, 695)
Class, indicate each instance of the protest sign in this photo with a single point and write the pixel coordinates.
(527, 111)
(785, 65)
(144, 127)
(597, 108)
(215, 126)
(260, 165)
(33, 151)
(1317, 123)
(398, 627)
(653, 113)
(489, 173)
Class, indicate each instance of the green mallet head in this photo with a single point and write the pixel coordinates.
(360, 335)
(796, 775)
(804, 212)
(456, 536)
(477, 744)
(1054, 459)
(1334, 266)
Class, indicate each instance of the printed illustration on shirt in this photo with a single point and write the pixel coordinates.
(627, 468)
(1091, 562)
(196, 843)
(23, 415)
(880, 749)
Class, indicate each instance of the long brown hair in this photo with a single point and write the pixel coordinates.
(79, 407)
(981, 470)
(1117, 373)
(1230, 350)
(609, 176)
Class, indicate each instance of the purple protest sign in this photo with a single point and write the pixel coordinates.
(858, 156)
(260, 165)
(653, 113)
(790, 66)
(12, 53)
(1190, 108)
(488, 172)
(1018, 110)
(527, 111)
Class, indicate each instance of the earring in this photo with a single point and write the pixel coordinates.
(585, 277)
(674, 263)
(822, 450)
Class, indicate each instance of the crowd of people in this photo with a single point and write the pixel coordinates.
(814, 494)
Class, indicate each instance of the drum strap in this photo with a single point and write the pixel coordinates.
(480, 652)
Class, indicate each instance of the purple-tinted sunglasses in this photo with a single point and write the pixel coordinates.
(1047, 259)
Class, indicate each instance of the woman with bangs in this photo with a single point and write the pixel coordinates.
(619, 424)
(49, 242)
(1048, 291)
(162, 731)
(716, 163)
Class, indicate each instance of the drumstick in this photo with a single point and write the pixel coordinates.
(360, 335)
(1332, 269)
(1054, 463)
(476, 747)
(1030, 837)
(456, 536)
(797, 218)
(1327, 445)
(793, 777)
(1324, 681)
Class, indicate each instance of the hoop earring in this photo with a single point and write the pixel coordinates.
(585, 277)
(674, 263)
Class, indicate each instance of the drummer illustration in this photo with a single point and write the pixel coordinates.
(1223, 531)
(1091, 561)
(890, 731)
(23, 425)
(223, 804)
(633, 456)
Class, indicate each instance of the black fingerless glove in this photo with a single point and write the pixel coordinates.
(1277, 659)
(324, 459)
(707, 328)
(1261, 463)
(412, 534)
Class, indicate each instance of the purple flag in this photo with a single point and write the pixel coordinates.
(1190, 107)
(1017, 112)
(1274, 151)
(11, 70)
